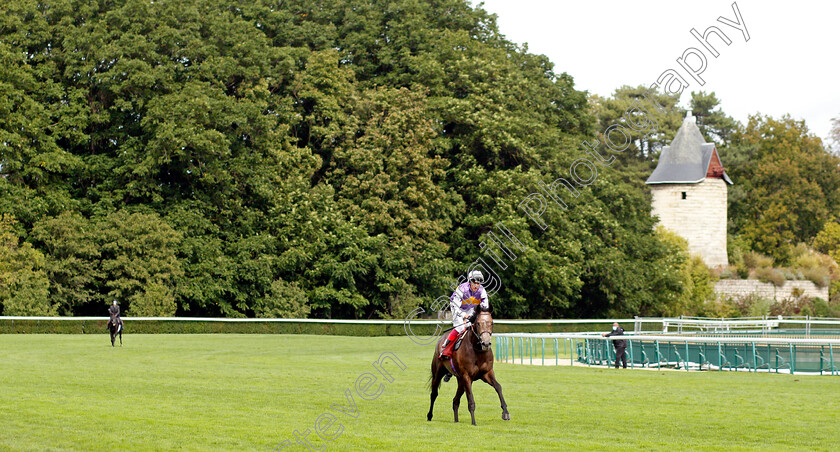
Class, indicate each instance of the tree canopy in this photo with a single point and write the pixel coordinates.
(338, 159)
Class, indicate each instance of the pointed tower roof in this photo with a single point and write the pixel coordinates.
(687, 159)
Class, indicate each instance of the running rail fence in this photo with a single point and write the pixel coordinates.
(418, 328)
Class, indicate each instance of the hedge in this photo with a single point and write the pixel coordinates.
(8, 326)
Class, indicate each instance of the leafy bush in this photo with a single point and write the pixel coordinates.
(787, 306)
(804, 257)
(736, 246)
(24, 286)
(718, 307)
(834, 291)
(818, 275)
(772, 275)
(156, 300)
(696, 278)
(286, 300)
(752, 305)
(815, 307)
(756, 260)
(828, 240)
(822, 308)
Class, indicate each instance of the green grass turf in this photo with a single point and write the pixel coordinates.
(250, 392)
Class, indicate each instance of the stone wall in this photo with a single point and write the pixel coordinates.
(700, 218)
(742, 287)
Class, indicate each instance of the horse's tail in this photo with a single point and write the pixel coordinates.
(436, 363)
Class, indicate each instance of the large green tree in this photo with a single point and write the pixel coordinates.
(788, 184)
(715, 125)
(24, 286)
(324, 158)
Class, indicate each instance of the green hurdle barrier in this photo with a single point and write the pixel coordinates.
(766, 354)
(680, 361)
(758, 358)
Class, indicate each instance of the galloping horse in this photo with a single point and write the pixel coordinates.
(473, 361)
(116, 328)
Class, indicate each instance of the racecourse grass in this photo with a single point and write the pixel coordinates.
(251, 392)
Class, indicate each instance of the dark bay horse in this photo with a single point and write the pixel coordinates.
(473, 361)
(116, 327)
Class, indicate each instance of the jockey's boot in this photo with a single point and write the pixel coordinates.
(448, 345)
(443, 348)
(447, 377)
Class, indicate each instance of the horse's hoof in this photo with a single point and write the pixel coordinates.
(505, 417)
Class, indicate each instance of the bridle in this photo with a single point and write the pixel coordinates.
(478, 335)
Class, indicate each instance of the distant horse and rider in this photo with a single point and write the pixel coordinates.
(472, 359)
(115, 323)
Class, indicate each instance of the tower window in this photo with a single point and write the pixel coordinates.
(683, 195)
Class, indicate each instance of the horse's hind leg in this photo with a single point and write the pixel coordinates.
(437, 376)
(490, 378)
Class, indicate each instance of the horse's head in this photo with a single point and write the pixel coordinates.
(483, 328)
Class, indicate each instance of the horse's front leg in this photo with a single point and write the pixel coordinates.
(490, 378)
(456, 402)
(470, 399)
(120, 338)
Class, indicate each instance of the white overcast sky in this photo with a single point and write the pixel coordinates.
(791, 64)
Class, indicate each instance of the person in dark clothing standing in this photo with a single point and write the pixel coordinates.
(620, 345)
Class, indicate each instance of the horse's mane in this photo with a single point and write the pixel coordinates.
(478, 310)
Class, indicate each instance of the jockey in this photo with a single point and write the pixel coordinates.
(462, 303)
(114, 310)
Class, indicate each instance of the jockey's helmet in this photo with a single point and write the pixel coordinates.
(475, 276)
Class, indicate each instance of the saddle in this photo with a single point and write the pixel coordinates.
(459, 340)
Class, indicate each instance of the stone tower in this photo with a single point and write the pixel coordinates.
(689, 193)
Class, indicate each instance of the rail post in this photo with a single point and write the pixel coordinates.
(543, 340)
(658, 355)
(513, 356)
(532, 345)
(792, 358)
